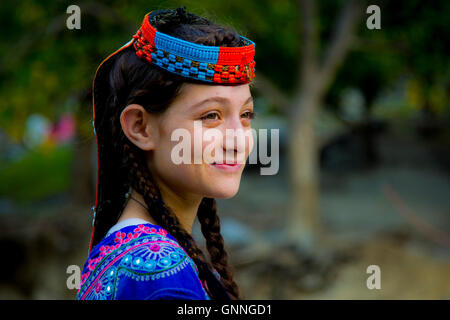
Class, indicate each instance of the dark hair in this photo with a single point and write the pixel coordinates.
(133, 80)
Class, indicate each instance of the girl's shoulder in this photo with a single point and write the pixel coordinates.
(138, 262)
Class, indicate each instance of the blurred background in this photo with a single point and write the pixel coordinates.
(363, 117)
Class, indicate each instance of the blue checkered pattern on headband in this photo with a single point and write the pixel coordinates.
(186, 49)
(184, 68)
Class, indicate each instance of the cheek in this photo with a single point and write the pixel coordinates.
(177, 176)
(180, 176)
(166, 149)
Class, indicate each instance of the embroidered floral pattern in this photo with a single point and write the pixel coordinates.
(145, 254)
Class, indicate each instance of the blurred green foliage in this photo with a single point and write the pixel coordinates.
(40, 173)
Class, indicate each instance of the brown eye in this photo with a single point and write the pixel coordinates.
(211, 116)
(249, 115)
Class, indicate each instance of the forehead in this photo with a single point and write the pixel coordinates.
(194, 93)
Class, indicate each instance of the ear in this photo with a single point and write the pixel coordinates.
(139, 126)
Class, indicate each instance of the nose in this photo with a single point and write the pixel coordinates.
(234, 142)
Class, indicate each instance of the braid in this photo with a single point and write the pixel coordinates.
(142, 181)
(210, 226)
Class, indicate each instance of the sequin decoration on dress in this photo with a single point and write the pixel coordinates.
(140, 262)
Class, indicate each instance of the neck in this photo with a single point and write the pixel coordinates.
(183, 206)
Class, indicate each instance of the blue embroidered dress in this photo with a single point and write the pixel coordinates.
(137, 260)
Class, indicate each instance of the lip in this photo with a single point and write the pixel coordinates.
(233, 167)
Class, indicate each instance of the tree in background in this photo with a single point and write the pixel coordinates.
(410, 43)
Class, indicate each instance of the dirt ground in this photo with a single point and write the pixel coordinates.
(408, 271)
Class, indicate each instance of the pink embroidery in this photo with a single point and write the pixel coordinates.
(155, 247)
(147, 230)
(84, 276)
(142, 228)
(98, 287)
(120, 239)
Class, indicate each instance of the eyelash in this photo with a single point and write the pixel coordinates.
(251, 115)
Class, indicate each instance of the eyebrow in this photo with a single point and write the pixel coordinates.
(217, 99)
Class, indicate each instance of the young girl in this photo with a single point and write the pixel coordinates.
(179, 68)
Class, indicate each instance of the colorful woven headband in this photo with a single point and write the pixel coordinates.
(206, 63)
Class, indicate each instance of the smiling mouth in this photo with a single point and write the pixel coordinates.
(230, 166)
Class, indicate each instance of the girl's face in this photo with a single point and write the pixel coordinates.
(228, 110)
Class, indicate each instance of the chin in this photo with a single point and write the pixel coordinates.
(222, 192)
